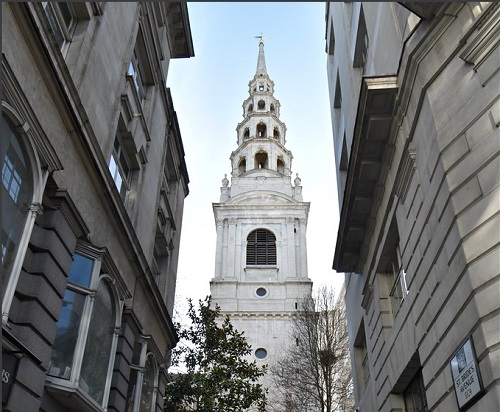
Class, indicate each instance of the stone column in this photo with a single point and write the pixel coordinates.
(224, 249)
(218, 249)
(231, 248)
(303, 249)
(292, 267)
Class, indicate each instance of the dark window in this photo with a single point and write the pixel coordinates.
(331, 43)
(260, 353)
(337, 100)
(119, 166)
(62, 20)
(17, 195)
(261, 160)
(242, 166)
(261, 292)
(261, 248)
(361, 48)
(139, 68)
(415, 399)
(397, 281)
(261, 130)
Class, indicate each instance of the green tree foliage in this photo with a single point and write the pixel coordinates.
(219, 378)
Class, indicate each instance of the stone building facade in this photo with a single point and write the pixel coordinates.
(261, 221)
(414, 91)
(93, 187)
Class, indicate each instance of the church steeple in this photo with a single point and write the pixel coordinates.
(261, 135)
(260, 274)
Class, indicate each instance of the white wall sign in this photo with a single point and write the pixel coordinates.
(466, 375)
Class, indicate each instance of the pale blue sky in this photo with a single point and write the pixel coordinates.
(208, 91)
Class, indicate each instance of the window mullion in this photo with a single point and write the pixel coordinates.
(155, 393)
(140, 376)
(82, 338)
(85, 323)
(107, 386)
(138, 392)
(35, 210)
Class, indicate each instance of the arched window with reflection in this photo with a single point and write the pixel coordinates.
(86, 331)
(143, 380)
(148, 385)
(17, 197)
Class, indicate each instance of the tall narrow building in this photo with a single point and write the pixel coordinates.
(92, 197)
(415, 104)
(261, 219)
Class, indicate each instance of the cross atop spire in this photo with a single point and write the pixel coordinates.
(261, 37)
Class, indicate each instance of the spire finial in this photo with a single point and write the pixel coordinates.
(261, 37)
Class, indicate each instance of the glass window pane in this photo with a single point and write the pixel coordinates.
(54, 25)
(17, 195)
(116, 144)
(66, 13)
(131, 69)
(132, 383)
(81, 270)
(113, 168)
(61, 361)
(147, 386)
(124, 165)
(260, 353)
(97, 354)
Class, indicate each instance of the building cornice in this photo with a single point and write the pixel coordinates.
(373, 128)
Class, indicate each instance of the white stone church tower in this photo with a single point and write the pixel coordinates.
(261, 254)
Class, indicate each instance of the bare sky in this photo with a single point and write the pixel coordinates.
(208, 91)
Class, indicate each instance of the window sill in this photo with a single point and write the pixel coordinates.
(70, 396)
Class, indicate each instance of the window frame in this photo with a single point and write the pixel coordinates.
(261, 353)
(39, 179)
(361, 360)
(398, 289)
(99, 275)
(416, 384)
(57, 21)
(116, 167)
(142, 72)
(160, 260)
(136, 71)
(361, 44)
(134, 397)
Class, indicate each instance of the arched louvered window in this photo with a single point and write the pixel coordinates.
(261, 248)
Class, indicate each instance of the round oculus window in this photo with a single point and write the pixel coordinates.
(261, 292)
(260, 353)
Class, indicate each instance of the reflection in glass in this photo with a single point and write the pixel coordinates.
(61, 361)
(147, 386)
(17, 195)
(81, 270)
(97, 353)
